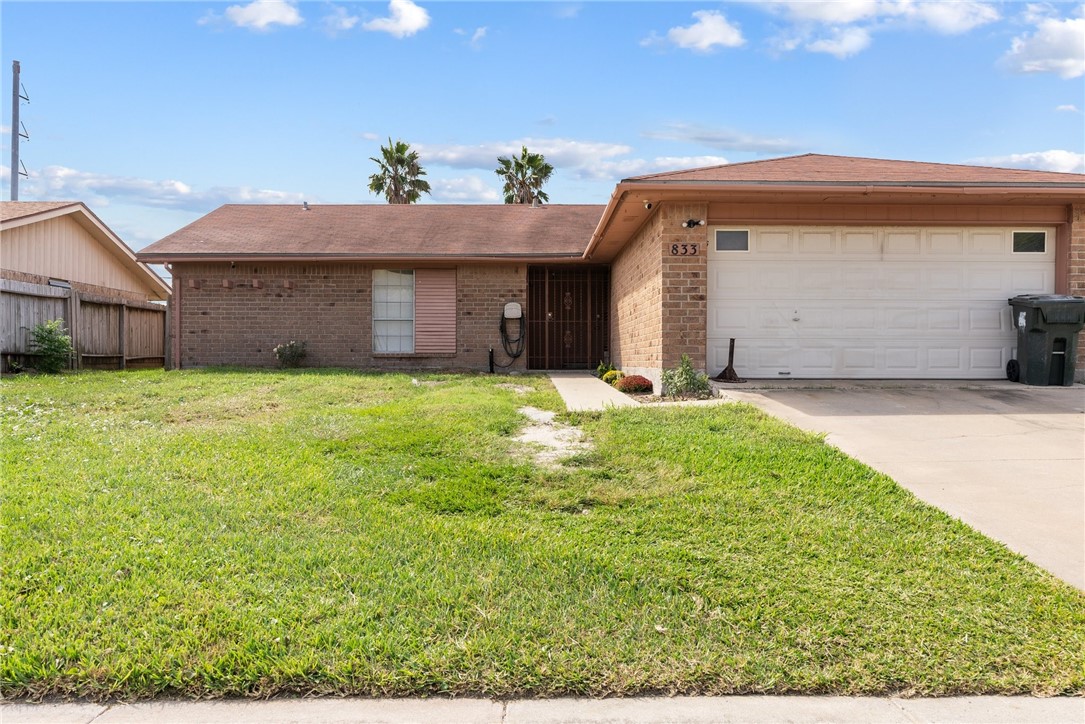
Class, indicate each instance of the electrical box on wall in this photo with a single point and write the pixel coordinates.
(513, 310)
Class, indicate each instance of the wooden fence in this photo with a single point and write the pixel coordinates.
(107, 332)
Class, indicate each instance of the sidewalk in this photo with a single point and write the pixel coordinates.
(677, 710)
(582, 390)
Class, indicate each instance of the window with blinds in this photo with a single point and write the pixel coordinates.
(414, 311)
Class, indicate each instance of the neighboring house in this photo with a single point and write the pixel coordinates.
(819, 266)
(58, 260)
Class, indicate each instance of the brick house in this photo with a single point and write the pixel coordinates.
(819, 266)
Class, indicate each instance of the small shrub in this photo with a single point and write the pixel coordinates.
(603, 368)
(634, 383)
(684, 381)
(290, 354)
(613, 376)
(52, 345)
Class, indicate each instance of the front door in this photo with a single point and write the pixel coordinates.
(567, 317)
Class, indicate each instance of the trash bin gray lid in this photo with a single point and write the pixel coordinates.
(1039, 300)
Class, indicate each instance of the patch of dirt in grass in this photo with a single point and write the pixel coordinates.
(252, 405)
(550, 441)
(518, 389)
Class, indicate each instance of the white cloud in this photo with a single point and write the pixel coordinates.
(62, 183)
(567, 11)
(464, 190)
(828, 12)
(259, 15)
(1057, 46)
(721, 138)
(711, 31)
(561, 152)
(477, 37)
(1069, 108)
(845, 27)
(339, 20)
(949, 18)
(843, 43)
(952, 18)
(370, 136)
(617, 170)
(578, 159)
(405, 19)
(1055, 160)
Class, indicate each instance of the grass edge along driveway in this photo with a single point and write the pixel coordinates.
(230, 532)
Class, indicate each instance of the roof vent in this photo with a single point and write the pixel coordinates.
(305, 205)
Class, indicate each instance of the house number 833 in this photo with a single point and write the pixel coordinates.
(684, 249)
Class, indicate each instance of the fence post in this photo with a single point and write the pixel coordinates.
(74, 309)
(124, 335)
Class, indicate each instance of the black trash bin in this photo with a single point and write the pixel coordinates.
(1047, 328)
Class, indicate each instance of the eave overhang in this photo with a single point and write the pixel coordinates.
(627, 204)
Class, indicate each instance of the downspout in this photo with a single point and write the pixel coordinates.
(176, 332)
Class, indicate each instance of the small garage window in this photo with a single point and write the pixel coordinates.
(1029, 242)
(732, 240)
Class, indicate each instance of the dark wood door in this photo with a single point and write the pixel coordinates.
(567, 317)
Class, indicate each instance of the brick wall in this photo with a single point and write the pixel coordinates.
(1076, 273)
(685, 285)
(237, 315)
(481, 294)
(636, 303)
(659, 298)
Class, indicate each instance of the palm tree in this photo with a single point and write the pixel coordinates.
(524, 177)
(400, 175)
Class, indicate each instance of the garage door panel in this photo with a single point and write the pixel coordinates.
(946, 242)
(817, 242)
(860, 243)
(871, 302)
(810, 320)
(1031, 281)
(876, 280)
(772, 242)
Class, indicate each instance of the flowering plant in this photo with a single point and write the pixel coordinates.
(290, 354)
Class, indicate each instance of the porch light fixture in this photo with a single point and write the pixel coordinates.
(690, 223)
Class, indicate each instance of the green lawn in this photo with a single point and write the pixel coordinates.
(232, 532)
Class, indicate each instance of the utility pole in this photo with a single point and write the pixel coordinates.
(17, 132)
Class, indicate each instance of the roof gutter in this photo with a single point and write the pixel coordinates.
(166, 257)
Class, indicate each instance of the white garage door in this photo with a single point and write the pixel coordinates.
(892, 302)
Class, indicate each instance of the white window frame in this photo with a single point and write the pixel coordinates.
(749, 241)
(1028, 231)
(381, 340)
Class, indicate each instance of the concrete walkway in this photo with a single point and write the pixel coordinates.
(582, 390)
(677, 710)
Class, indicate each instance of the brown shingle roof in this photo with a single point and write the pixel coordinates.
(816, 168)
(382, 231)
(18, 209)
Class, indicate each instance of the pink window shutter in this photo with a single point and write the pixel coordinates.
(435, 311)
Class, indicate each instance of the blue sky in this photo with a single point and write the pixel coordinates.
(155, 113)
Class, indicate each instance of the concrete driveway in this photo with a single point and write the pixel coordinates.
(1007, 459)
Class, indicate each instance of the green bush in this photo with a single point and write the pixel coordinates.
(52, 345)
(290, 354)
(613, 376)
(603, 368)
(684, 381)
